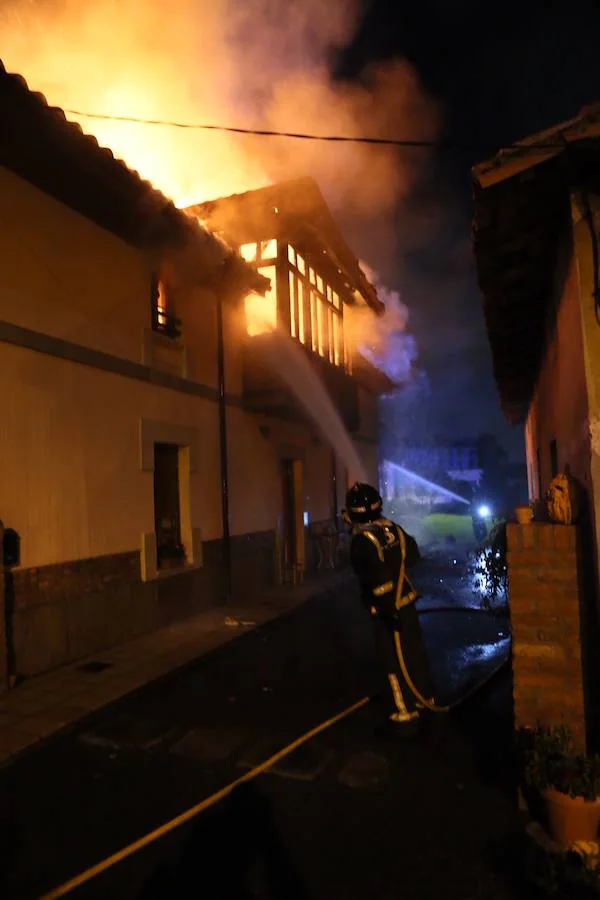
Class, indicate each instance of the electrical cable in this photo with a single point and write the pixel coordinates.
(297, 135)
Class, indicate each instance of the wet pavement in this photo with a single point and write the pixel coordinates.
(345, 816)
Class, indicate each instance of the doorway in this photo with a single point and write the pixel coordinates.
(167, 512)
(292, 521)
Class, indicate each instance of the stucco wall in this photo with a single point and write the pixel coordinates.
(591, 345)
(559, 410)
(71, 480)
(257, 446)
(64, 276)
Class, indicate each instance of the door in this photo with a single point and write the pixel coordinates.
(292, 521)
(167, 517)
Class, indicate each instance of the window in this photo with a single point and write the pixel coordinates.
(293, 285)
(316, 310)
(261, 312)
(301, 293)
(321, 326)
(162, 311)
(314, 327)
(248, 252)
(268, 249)
(167, 514)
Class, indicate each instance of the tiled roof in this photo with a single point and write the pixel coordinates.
(284, 210)
(39, 144)
(537, 148)
(521, 221)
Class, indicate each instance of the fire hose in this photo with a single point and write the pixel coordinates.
(403, 600)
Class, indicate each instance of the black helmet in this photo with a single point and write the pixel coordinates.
(363, 503)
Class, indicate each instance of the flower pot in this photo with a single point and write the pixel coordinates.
(571, 819)
(524, 514)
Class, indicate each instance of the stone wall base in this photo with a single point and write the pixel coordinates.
(60, 613)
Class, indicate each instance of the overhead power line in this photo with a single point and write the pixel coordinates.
(259, 132)
(335, 138)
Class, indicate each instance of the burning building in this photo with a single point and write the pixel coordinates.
(152, 463)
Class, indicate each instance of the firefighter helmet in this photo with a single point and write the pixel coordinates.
(363, 503)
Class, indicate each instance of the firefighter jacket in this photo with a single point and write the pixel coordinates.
(380, 553)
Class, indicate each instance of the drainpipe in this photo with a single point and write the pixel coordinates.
(223, 448)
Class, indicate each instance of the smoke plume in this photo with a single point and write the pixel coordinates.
(257, 64)
(261, 63)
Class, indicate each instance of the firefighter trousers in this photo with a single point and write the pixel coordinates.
(403, 704)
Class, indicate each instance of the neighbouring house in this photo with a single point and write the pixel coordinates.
(141, 476)
(536, 227)
(288, 234)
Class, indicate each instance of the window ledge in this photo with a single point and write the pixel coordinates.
(176, 570)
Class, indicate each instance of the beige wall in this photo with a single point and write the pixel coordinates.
(255, 470)
(66, 277)
(71, 480)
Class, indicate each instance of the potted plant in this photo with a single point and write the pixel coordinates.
(569, 783)
(524, 513)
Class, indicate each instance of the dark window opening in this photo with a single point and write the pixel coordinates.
(163, 319)
(553, 458)
(167, 517)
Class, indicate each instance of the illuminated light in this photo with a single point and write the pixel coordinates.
(261, 312)
(314, 327)
(319, 284)
(301, 328)
(336, 300)
(311, 276)
(268, 249)
(305, 518)
(330, 342)
(336, 340)
(275, 210)
(292, 279)
(320, 326)
(291, 255)
(248, 252)
(301, 264)
(484, 511)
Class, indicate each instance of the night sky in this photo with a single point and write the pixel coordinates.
(500, 72)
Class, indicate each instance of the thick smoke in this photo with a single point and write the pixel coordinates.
(256, 64)
(384, 340)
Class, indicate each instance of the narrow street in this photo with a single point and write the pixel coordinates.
(347, 815)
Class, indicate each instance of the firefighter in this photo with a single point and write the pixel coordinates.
(380, 553)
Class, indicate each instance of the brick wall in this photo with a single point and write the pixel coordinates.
(3, 635)
(547, 607)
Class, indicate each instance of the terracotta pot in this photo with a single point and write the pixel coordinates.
(571, 819)
(524, 514)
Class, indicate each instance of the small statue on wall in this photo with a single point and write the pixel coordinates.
(562, 499)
